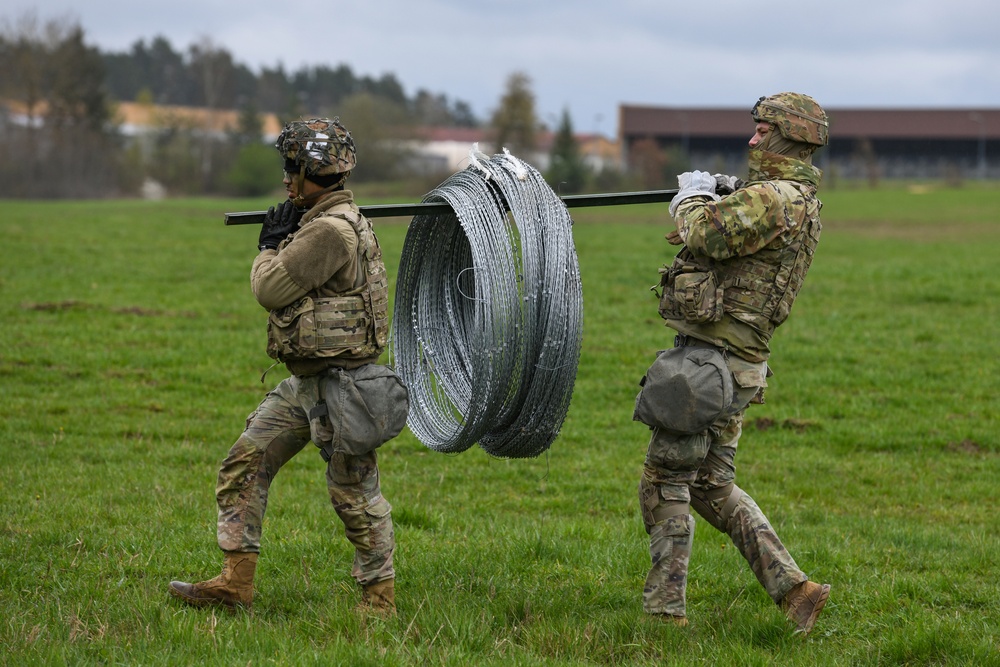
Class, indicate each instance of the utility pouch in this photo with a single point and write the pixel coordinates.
(291, 331)
(364, 407)
(685, 390)
(693, 296)
(322, 327)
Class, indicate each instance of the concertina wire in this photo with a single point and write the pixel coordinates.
(488, 313)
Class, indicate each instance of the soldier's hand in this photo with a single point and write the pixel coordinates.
(279, 222)
(696, 181)
(727, 185)
(693, 184)
(674, 238)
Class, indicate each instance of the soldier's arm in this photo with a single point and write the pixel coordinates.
(739, 224)
(316, 252)
(270, 282)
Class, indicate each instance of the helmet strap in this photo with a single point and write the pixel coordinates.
(300, 182)
(302, 200)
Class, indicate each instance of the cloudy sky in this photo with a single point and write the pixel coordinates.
(590, 56)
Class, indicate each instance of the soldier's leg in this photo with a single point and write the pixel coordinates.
(671, 464)
(715, 496)
(275, 432)
(353, 482)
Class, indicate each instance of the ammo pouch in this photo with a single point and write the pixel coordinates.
(317, 327)
(291, 331)
(362, 408)
(685, 390)
(690, 294)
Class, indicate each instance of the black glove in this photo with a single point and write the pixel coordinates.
(279, 222)
(727, 185)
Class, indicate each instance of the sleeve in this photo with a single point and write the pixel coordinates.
(314, 255)
(270, 282)
(739, 224)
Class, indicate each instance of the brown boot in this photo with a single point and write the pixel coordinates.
(379, 598)
(233, 588)
(679, 621)
(803, 603)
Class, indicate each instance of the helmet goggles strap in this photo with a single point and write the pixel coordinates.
(301, 200)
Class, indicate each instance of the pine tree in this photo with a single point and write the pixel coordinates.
(567, 171)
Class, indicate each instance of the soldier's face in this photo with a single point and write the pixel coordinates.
(291, 181)
(760, 134)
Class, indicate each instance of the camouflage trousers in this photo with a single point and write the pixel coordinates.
(275, 432)
(678, 466)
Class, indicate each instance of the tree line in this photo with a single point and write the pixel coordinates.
(207, 76)
(61, 135)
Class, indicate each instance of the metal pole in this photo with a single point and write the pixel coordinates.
(441, 208)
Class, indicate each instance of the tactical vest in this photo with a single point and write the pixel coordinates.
(352, 325)
(756, 289)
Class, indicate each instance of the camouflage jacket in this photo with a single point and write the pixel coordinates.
(318, 272)
(751, 251)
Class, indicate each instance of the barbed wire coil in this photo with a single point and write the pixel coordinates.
(488, 313)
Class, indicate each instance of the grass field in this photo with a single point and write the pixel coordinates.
(131, 351)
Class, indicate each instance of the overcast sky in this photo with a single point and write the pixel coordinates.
(591, 56)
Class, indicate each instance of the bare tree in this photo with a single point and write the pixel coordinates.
(63, 129)
(649, 161)
(380, 129)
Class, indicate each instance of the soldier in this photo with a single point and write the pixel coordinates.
(321, 275)
(746, 249)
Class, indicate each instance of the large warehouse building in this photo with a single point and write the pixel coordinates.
(864, 143)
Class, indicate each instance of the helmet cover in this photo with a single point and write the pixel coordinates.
(797, 117)
(323, 146)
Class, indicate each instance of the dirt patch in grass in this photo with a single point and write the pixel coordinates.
(966, 447)
(797, 425)
(73, 304)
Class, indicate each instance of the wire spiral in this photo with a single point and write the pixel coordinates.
(488, 314)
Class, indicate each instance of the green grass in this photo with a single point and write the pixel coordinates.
(131, 351)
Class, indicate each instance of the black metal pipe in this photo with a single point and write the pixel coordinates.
(439, 208)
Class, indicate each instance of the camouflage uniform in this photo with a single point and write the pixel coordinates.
(321, 256)
(756, 245)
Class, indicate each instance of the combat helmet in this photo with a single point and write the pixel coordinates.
(317, 147)
(797, 117)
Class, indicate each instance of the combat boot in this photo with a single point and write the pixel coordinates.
(379, 598)
(803, 603)
(679, 621)
(233, 588)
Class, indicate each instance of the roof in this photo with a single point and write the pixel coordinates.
(957, 123)
(138, 115)
(460, 134)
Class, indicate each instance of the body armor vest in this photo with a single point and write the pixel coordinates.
(757, 289)
(353, 325)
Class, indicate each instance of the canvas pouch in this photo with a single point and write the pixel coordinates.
(685, 390)
(362, 409)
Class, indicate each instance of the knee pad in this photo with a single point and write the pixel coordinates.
(655, 509)
(717, 505)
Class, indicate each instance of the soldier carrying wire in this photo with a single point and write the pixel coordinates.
(747, 247)
(321, 276)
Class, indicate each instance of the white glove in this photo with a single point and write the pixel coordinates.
(692, 184)
(726, 184)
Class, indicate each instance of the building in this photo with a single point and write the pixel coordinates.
(446, 149)
(864, 143)
(429, 149)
